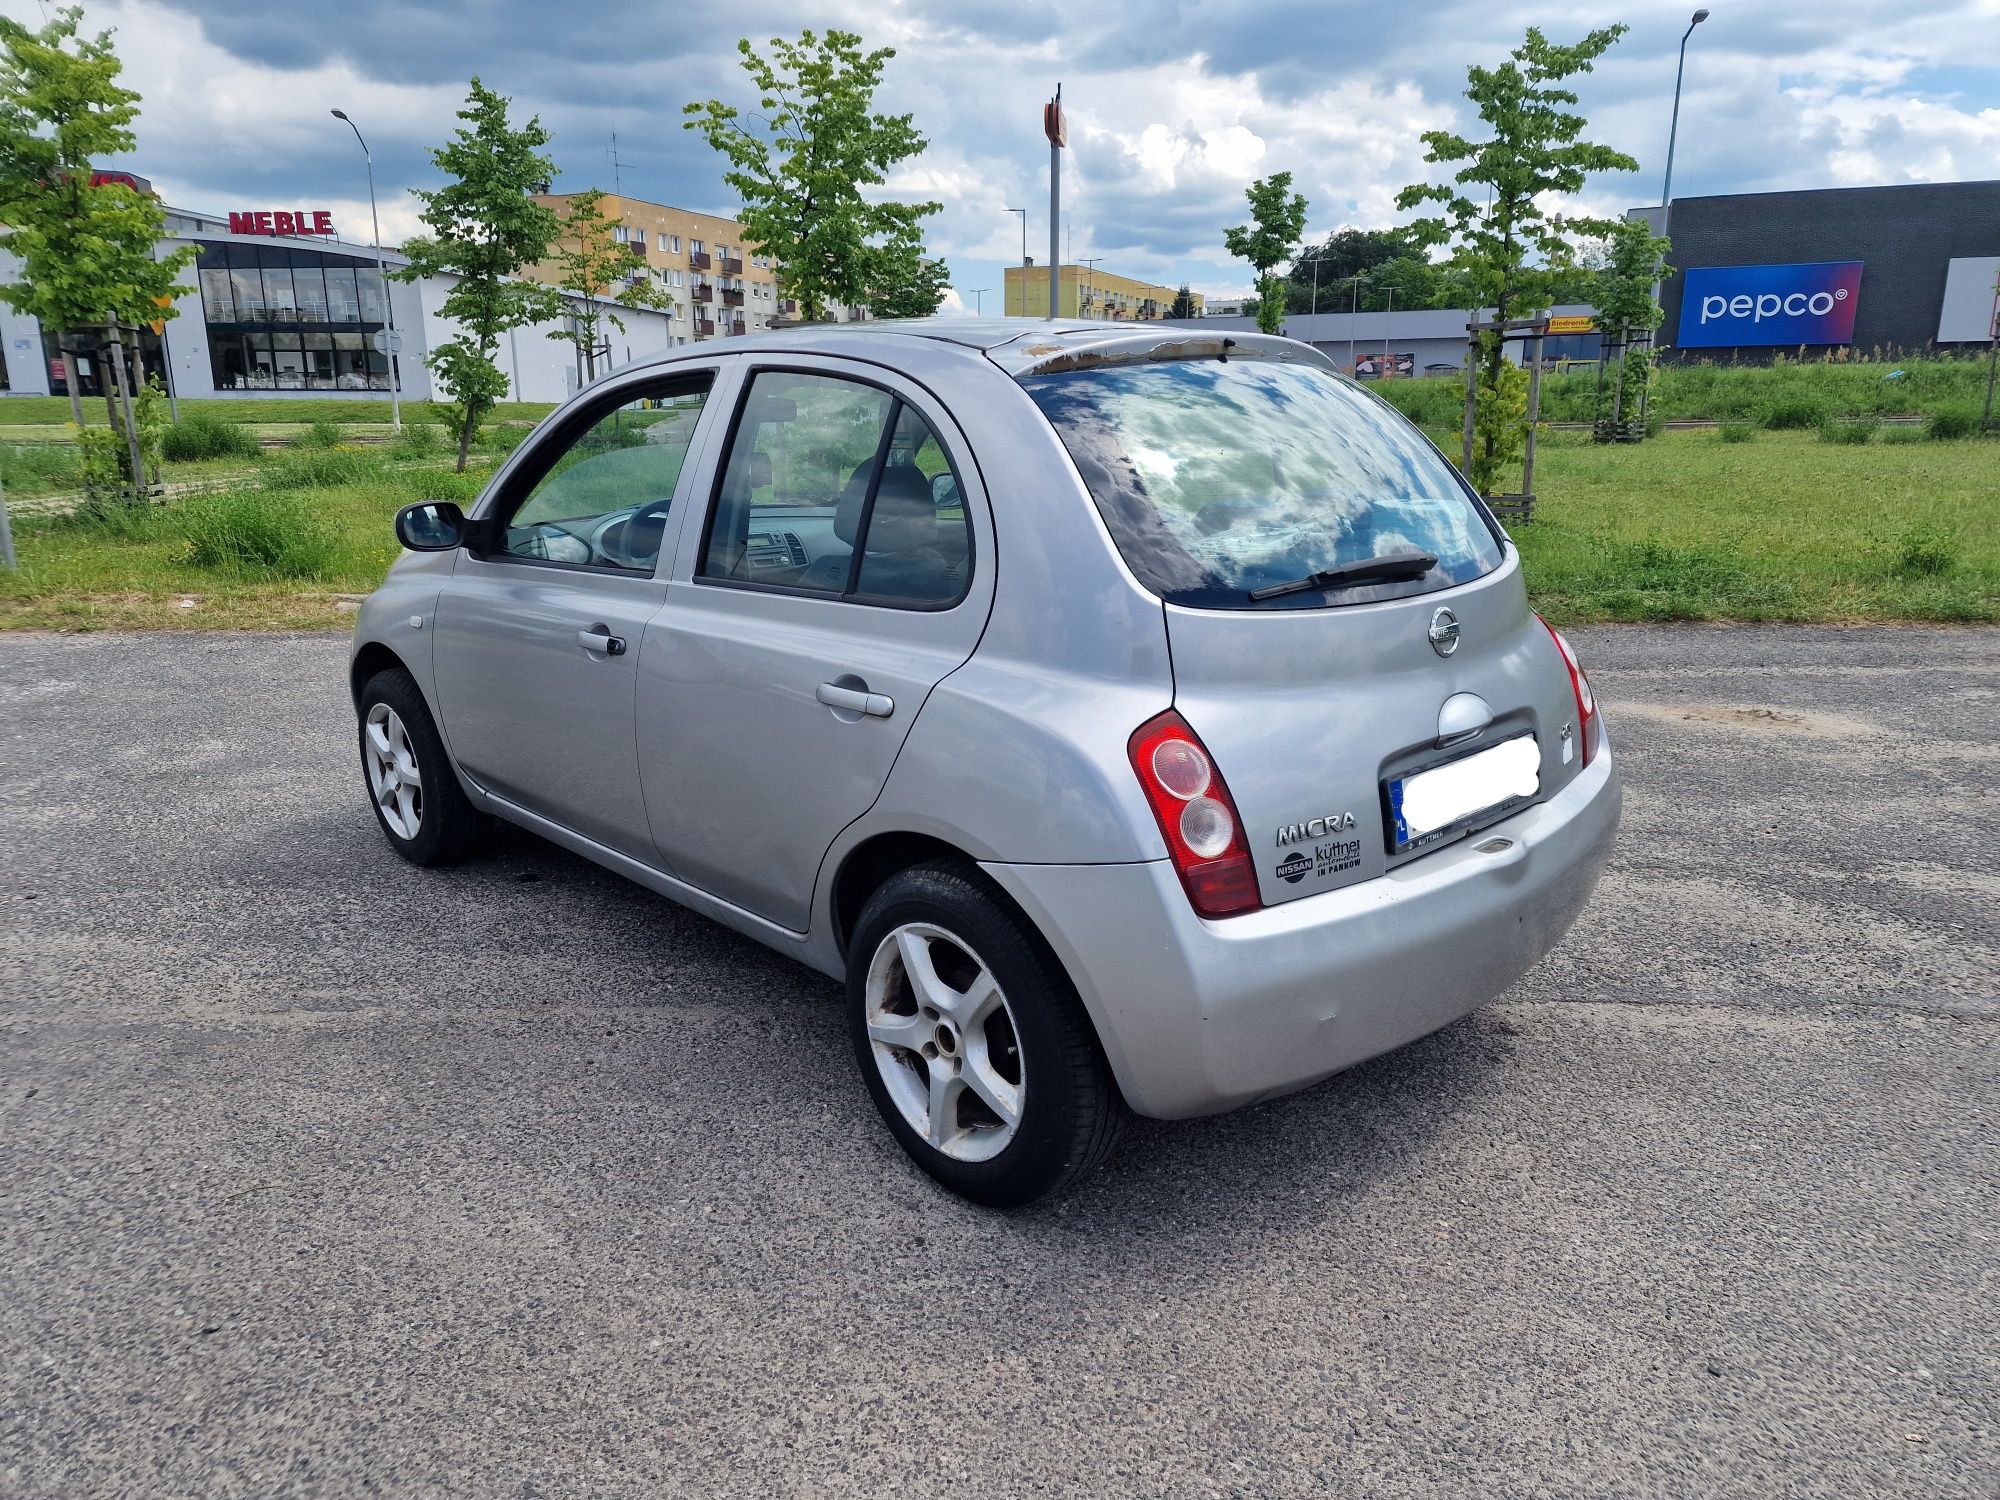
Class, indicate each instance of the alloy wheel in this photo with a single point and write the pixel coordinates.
(393, 776)
(944, 1041)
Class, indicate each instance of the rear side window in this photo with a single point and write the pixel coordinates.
(838, 488)
(1219, 478)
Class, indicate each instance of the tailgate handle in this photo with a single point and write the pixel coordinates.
(1462, 717)
(856, 700)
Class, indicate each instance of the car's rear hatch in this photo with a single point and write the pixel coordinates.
(1316, 718)
(1345, 620)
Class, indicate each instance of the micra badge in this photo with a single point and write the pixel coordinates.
(1316, 828)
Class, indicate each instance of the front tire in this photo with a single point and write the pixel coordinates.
(421, 808)
(973, 1044)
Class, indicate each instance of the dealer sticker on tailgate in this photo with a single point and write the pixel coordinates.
(1430, 806)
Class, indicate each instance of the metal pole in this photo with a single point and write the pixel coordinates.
(1673, 132)
(1353, 317)
(382, 270)
(1471, 396)
(1315, 300)
(1534, 421)
(1385, 332)
(1055, 221)
(6, 534)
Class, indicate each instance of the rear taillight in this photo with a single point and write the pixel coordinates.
(1586, 702)
(1197, 818)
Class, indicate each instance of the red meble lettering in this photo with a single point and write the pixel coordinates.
(284, 225)
(242, 223)
(322, 222)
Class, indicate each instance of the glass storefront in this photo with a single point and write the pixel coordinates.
(285, 318)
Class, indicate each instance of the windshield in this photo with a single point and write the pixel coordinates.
(1217, 478)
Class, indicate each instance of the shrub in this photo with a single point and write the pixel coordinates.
(256, 531)
(1949, 422)
(200, 435)
(1792, 413)
(1736, 432)
(1926, 551)
(501, 437)
(1847, 432)
(439, 483)
(321, 432)
(419, 439)
(316, 469)
(1903, 432)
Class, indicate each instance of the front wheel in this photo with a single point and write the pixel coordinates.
(422, 810)
(972, 1041)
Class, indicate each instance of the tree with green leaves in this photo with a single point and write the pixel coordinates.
(1512, 253)
(485, 229)
(1270, 240)
(802, 165)
(1183, 305)
(905, 283)
(88, 250)
(1627, 313)
(601, 274)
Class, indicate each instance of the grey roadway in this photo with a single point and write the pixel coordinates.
(328, 1176)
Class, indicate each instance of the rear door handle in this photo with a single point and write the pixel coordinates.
(856, 701)
(602, 641)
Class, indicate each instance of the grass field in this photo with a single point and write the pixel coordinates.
(1785, 526)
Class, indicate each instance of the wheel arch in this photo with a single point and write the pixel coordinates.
(371, 658)
(870, 863)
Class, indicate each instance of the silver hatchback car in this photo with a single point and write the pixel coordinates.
(1141, 720)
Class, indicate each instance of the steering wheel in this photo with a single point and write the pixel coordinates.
(614, 536)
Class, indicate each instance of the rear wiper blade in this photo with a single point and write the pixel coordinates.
(1393, 567)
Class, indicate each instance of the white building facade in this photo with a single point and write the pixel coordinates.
(276, 315)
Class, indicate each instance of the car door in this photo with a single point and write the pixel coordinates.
(542, 625)
(843, 569)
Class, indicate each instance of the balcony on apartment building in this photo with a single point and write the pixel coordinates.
(739, 328)
(731, 297)
(701, 291)
(732, 265)
(699, 259)
(788, 307)
(704, 327)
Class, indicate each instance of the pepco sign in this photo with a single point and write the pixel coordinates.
(1725, 306)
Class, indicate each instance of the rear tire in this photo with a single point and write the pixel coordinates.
(423, 811)
(971, 1039)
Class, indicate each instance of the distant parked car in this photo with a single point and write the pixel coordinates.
(1444, 369)
(1133, 719)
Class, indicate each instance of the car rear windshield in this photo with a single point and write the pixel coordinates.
(1222, 477)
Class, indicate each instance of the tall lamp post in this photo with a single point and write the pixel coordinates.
(1674, 126)
(979, 300)
(382, 270)
(1024, 258)
(1089, 264)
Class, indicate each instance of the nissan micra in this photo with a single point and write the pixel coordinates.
(1141, 720)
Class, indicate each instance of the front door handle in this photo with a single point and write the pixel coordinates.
(856, 700)
(601, 640)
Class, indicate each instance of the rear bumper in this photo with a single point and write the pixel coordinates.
(1199, 1016)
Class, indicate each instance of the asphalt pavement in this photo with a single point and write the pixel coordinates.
(321, 1175)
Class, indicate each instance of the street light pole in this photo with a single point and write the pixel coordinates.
(979, 300)
(1674, 126)
(1024, 257)
(1089, 265)
(382, 270)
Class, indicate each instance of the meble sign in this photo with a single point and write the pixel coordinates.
(282, 221)
(1726, 306)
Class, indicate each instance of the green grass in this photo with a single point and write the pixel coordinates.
(1783, 528)
(1688, 526)
(53, 411)
(1732, 393)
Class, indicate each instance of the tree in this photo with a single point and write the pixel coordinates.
(1183, 306)
(1341, 256)
(1512, 253)
(904, 283)
(802, 172)
(87, 249)
(1627, 314)
(484, 229)
(1278, 218)
(590, 262)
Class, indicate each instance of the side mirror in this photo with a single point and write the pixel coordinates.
(431, 526)
(944, 490)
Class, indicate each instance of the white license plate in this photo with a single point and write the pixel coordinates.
(1428, 806)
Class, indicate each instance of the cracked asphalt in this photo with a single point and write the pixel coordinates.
(323, 1176)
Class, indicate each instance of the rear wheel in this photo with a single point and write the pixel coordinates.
(972, 1041)
(423, 811)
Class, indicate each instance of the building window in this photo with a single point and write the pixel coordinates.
(639, 238)
(677, 245)
(287, 318)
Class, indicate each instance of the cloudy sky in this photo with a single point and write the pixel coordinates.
(1174, 105)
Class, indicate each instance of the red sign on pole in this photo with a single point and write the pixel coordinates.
(282, 221)
(1054, 124)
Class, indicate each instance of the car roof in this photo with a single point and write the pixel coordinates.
(1019, 346)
